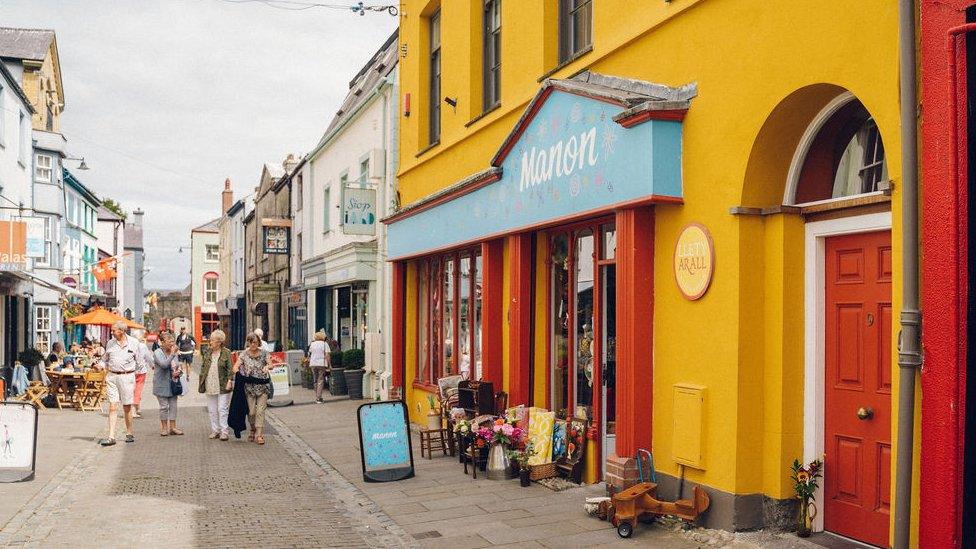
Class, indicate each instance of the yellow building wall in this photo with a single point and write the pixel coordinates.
(41, 85)
(744, 339)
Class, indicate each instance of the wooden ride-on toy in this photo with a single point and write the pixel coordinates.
(639, 500)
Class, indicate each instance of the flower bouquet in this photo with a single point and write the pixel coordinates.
(805, 483)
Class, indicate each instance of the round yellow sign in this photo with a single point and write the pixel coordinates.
(694, 261)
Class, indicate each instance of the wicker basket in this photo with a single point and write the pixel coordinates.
(539, 472)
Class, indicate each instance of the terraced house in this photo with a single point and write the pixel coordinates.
(680, 222)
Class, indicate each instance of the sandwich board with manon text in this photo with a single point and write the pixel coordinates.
(18, 441)
(384, 441)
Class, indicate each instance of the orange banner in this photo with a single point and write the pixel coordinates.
(13, 244)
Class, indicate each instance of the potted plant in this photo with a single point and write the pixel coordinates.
(354, 361)
(504, 434)
(520, 461)
(462, 430)
(337, 379)
(433, 415)
(805, 485)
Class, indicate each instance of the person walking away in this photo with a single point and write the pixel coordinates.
(186, 345)
(215, 382)
(167, 366)
(253, 370)
(147, 360)
(122, 359)
(319, 360)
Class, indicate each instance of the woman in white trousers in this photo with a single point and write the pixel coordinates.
(216, 382)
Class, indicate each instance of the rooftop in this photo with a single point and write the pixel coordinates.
(32, 44)
(208, 227)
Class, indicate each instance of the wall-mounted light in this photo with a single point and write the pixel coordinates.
(452, 101)
(83, 166)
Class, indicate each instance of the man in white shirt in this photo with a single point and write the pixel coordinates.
(265, 346)
(122, 360)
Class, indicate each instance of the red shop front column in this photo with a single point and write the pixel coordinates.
(520, 319)
(399, 312)
(492, 307)
(635, 324)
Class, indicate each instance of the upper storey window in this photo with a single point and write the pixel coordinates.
(575, 28)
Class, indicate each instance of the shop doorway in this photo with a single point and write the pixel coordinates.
(857, 389)
(583, 327)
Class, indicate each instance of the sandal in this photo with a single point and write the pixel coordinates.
(214, 435)
(250, 437)
(259, 439)
(107, 442)
(175, 432)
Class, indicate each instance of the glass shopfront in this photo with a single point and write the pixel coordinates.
(449, 290)
(583, 324)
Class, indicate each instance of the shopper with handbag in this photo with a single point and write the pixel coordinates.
(215, 382)
(166, 384)
(319, 356)
(253, 369)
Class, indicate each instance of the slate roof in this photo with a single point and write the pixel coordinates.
(32, 44)
(208, 227)
(105, 214)
(361, 86)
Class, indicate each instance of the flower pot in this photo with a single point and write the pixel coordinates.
(524, 477)
(806, 513)
(433, 421)
(354, 383)
(499, 466)
(337, 382)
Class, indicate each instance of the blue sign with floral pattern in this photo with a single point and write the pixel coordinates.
(384, 441)
(571, 159)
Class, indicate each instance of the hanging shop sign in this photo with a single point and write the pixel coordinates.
(70, 282)
(276, 240)
(35, 236)
(569, 159)
(18, 441)
(384, 441)
(265, 293)
(694, 261)
(359, 211)
(13, 245)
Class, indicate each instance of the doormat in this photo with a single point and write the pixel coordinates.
(557, 484)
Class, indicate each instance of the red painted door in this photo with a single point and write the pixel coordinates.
(857, 430)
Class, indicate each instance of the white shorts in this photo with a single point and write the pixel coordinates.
(120, 388)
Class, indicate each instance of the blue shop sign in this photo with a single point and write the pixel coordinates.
(384, 441)
(571, 159)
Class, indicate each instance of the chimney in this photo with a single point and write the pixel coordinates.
(289, 164)
(226, 197)
(137, 217)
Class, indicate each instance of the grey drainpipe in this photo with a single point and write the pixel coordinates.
(909, 346)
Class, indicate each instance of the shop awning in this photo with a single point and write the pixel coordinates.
(31, 277)
(583, 147)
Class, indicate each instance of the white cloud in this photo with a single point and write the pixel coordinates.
(204, 88)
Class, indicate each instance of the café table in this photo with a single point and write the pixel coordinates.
(64, 384)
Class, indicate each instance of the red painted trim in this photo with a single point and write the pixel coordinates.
(197, 323)
(554, 222)
(399, 358)
(944, 276)
(520, 318)
(457, 193)
(492, 307)
(676, 115)
(425, 387)
(635, 329)
(549, 324)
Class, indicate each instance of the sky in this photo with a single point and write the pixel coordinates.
(166, 99)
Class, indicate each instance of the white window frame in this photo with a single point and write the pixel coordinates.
(39, 169)
(40, 321)
(207, 291)
(216, 256)
(48, 244)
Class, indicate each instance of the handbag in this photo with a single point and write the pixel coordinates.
(176, 386)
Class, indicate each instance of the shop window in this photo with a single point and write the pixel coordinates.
(42, 328)
(846, 157)
(492, 54)
(434, 69)
(575, 28)
(450, 316)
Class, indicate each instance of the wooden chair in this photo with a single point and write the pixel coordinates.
(89, 395)
(35, 393)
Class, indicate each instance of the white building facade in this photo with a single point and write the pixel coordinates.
(347, 185)
(204, 278)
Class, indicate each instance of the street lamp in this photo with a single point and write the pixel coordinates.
(83, 167)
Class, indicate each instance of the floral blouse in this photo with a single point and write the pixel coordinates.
(254, 367)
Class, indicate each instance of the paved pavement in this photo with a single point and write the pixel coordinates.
(303, 488)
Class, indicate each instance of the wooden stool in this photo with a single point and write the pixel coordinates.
(431, 440)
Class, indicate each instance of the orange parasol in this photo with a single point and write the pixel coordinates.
(104, 317)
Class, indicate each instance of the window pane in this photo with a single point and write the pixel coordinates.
(584, 319)
(560, 322)
(423, 360)
(436, 340)
(477, 316)
(448, 316)
(609, 347)
(609, 241)
(464, 309)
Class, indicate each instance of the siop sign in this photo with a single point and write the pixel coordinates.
(562, 158)
(359, 211)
